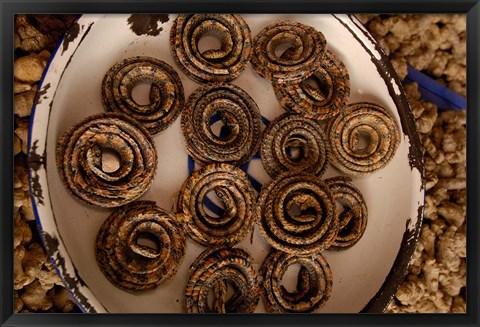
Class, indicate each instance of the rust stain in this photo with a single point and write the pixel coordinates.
(35, 162)
(147, 24)
(81, 40)
(41, 93)
(70, 36)
(51, 243)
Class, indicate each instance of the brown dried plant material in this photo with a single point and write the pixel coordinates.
(431, 180)
(29, 69)
(35, 297)
(445, 250)
(409, 293)
(48, 278)
(444, 170)
(442, 301)
(20, 279)
(427, 237)
(27, 208)
(17, 145)
(453, 282)
(416, 261)
(22, 234)
(34, 259)
(438, 226)
(23, 102)
(454, 214)
(22, 132)
(458, 305)
(19, 87)
(431, 273)
(38, 32)
(17, 302)
(60, 298)
(18, 199)
(29, 38)
(435, 44)
(424, 305)
(430, 211)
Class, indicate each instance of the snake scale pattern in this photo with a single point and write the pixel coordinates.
(292, 131)
(79, 160)
(296, 211)
(326, 100)
(345, 132)
(314, 284)
(353, 219)
(305, 46)
(232, 187)
(212, 65)
(166, 92)
(240, 115)
(130, 265)
(213, 269)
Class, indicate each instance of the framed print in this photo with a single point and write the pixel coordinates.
(224, 157)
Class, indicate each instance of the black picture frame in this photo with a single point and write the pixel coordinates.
(9, 8)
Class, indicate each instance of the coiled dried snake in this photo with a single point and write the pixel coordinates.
(353, 219)
(306, 46)
(239, 113)
(314, 284)
(232, 186)
(212, 270)
(213, 65)
(296, 213)
(292, 131)
(345, 131)
(166, 93)
(129, 265)
(323, 102)
(79, 160)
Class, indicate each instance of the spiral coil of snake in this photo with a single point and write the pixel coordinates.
(323, 102)
(166, 92)
(212, 65)
(239, 113)
(213, 269)
(306, 46)
(79, 160)
(130, 265)
(314, 284)
(232, 187)
(292, 131)
(296, 213)
(353, 220)
(358, 120)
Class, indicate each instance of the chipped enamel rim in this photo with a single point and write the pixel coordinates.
(42, 206)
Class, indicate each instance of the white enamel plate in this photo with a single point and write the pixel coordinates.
(365, 276)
